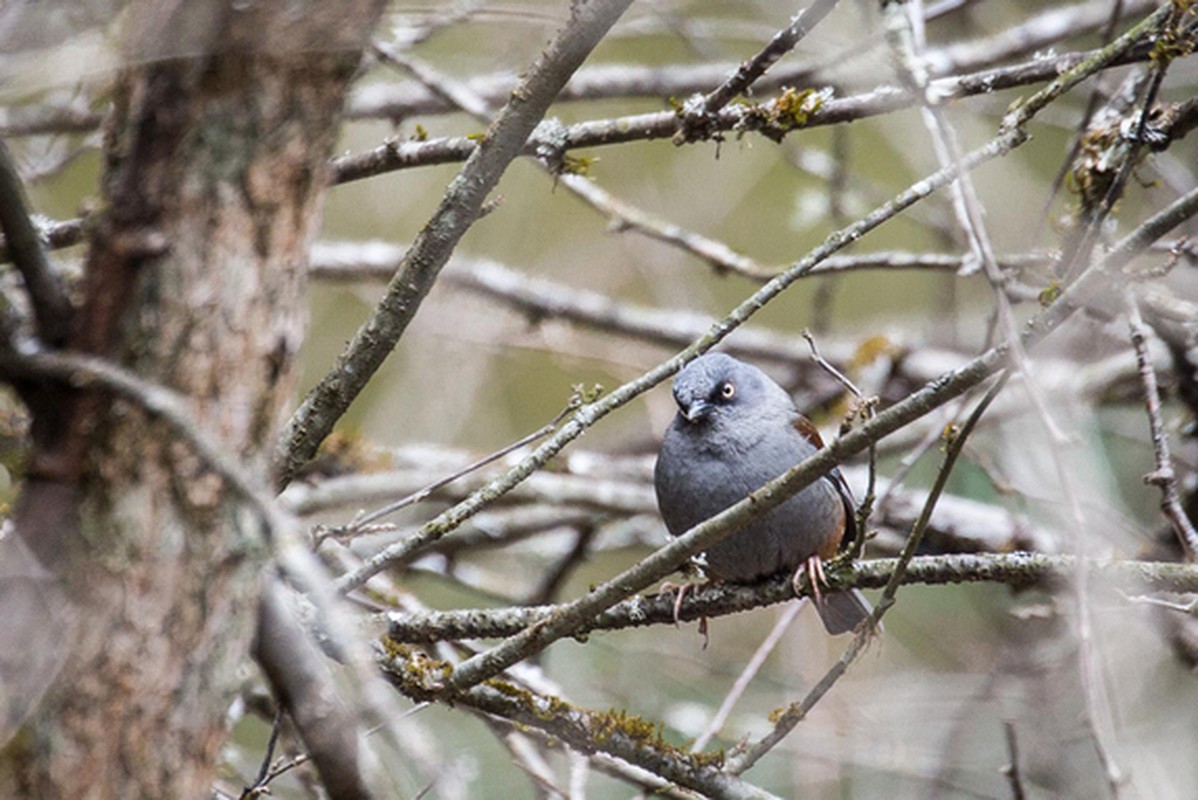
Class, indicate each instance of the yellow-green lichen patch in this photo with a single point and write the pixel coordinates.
(415, 671)
(578, 165)
(790, 110)
(1049, 294)
(543, 707)
(604, 724)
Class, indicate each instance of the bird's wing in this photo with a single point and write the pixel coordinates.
(836, 478)
(850, 508)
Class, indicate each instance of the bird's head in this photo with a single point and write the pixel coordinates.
(716, 389)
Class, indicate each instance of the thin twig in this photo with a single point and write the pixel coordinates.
(696, 114)
(746, 676)
(625, 216)
(1080, 247)
(933, 435)
(556, 576)
(1190, 607)
(965, 197)
(866, 408)
(423, 493)
(1014, 776)
(262, 787)
(1163, 477)
(1099, 724)
(265, 774)
(1058, 180)
(840, 377)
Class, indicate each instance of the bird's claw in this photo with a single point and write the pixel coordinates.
(680, 590)
(814, 568)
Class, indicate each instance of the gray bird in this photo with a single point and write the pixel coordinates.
(735, 430)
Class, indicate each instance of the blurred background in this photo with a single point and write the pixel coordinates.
(963, 673)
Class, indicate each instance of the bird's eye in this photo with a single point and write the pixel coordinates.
(727, 391)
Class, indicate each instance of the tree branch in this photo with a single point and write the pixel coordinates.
(459, 208)
(395, 155)
(697, 113)
(51, 308)
(613, 732)
(299, 674)
(1163, 476)
(1017, 570)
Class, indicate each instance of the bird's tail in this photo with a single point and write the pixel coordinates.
(841, 612)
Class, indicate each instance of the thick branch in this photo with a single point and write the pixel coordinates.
(299, 674)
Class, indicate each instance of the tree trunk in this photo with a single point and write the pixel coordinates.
(214, 174)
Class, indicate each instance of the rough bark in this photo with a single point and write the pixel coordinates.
(214, 173)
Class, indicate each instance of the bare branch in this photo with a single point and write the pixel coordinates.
(746, 675)
(56, 236)
(51, 308)
(1019, 570)
(305, 687)
(1014, 776)
(696, 114)
(425, 491)
(616, 733)
(395, 155)
(1163, 476)
(458, 210)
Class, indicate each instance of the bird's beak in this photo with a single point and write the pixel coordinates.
(695, 411)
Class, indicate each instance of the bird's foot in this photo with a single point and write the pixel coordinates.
(814, 568)
(680, 590)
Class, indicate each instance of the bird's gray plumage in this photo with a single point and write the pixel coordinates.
(725, 443)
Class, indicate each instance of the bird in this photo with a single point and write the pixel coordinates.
(735, 430)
